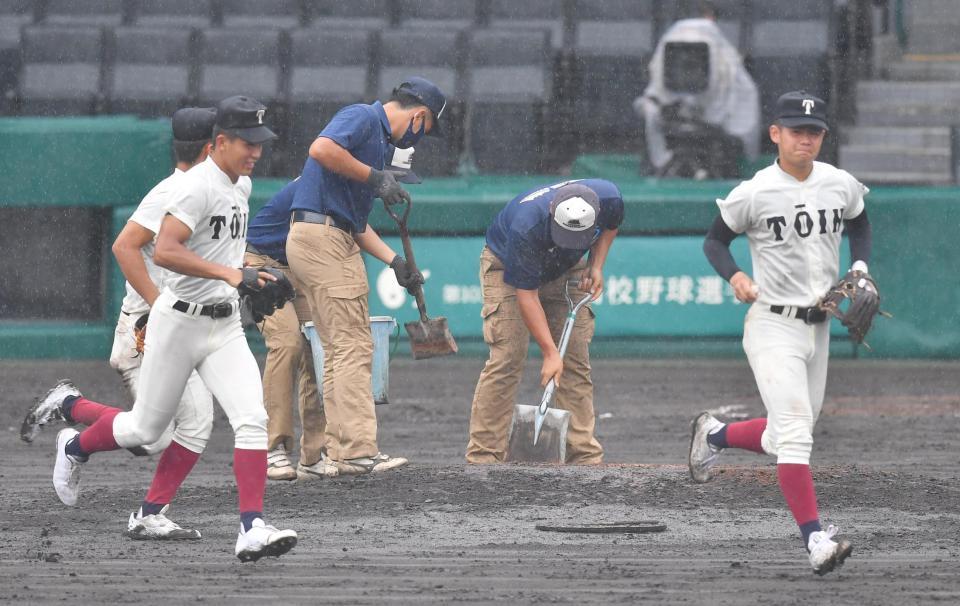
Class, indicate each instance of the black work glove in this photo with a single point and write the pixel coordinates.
(406, 277)
(386, 188)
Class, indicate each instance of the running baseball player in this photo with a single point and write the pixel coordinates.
(185, 438)
(534, 246)
(794, 214)
(195, 325)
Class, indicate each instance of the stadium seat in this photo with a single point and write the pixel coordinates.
(614, 40)
(84, 12)
(530, 14)
(61, 71)
(276, 14)
(510, 81)
(151, 70)
(245, 62)
(444, 15)
(174, 13)
(437, 56)
(14, 14)
(356, 14)
(329, 68)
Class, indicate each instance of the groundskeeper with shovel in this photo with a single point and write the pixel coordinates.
(342, 176)
(534, 247)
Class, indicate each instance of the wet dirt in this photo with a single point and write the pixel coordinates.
(439, 531)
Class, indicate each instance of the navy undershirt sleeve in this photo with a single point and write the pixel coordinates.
(861, 237)
(716, 246)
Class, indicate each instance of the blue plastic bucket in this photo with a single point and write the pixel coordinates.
(381, 327)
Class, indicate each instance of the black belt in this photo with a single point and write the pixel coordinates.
(217, 310)
(308, 216)
(810, 315)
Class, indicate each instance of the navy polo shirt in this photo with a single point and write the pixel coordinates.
(520, 234)
(269, 227)
(362, 130)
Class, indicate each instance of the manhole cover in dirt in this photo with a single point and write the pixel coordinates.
(630, 527)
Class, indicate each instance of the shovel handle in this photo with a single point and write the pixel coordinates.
(564, 341)
(547, 397)
(401, 220)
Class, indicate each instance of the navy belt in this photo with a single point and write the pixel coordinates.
(810, 315)
(308, 216)
(217, 310)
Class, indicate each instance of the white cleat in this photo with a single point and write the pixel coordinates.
(262, 540)
(825, 553)
(158, 527)
(66, 471)
(279, 466)
(364, 465)
(47, 409)
(703, 455)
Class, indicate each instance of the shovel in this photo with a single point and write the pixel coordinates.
(428, 337)
(538, 434)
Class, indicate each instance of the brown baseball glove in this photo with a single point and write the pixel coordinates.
(140, 332)
(860, 292)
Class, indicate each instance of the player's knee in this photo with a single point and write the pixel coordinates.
(250, 430)
(794, 442)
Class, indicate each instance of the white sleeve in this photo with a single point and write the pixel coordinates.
(855, 202)
(152, 208)
(736, 209)
(188, 203)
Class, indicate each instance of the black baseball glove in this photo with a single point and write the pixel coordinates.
(860, 290)
(257, 301)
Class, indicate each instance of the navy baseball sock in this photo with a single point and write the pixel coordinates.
(808, 529)
(67, 407)
(73, 449)
(247, 518)
(718, 438)
(151, 509)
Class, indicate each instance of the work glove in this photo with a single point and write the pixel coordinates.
(385, 187)
(407, 277)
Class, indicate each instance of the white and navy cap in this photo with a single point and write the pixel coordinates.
(243, 117)
(798, 109)
(574, 212)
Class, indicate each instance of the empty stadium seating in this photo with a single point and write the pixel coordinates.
(173, 13)
(151, 71)
(61, 73)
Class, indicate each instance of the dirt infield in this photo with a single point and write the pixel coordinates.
(885, 463)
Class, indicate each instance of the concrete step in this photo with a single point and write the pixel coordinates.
(928, 68)
(870, 178)
(927, 10)
(904, 93)
(934, 37)
(930, 137)
(874, 158)
(882, 114)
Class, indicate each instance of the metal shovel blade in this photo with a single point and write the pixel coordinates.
(551, 445)
(430, 338)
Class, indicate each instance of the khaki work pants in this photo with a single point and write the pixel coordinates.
(507, 335)
(289, 361)
(326, 261)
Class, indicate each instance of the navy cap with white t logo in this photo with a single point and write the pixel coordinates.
(430, 95)
(798, 108)
(244, 117)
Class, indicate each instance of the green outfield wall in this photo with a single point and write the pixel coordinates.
(662, 298)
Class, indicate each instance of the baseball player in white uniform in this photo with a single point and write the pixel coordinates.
(793, 214)
(195, 325)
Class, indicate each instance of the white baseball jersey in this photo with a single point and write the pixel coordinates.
(794, 229)
(216, 211)
(149, 215)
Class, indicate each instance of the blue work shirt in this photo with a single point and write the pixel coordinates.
(520, 234)
(269, 227)
(362, 130)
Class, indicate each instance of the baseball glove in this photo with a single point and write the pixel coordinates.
(860, 290)
(140, 332)
(257, 301)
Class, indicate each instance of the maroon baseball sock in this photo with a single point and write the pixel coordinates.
(82, 410)
(99, 436)
(746, 434)
(250, 469)
(175, 465)
(796, 484)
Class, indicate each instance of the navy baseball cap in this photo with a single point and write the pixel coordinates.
(430, 95)
(798, 108)
(243, 117)
(574, 211)
(194, 123)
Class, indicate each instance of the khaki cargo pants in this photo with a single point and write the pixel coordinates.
(289, 361)
(326, 261)
(507, 335)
